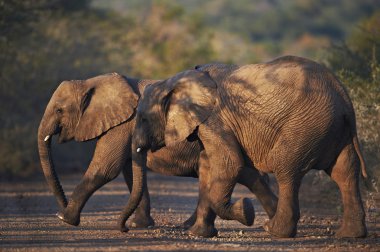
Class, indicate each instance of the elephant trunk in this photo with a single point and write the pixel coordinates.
(44, 149)
(139, 182)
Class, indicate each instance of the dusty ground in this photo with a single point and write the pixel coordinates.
(28, 222)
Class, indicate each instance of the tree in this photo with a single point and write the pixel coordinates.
(359, 55)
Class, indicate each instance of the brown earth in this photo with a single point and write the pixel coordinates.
(28, 221)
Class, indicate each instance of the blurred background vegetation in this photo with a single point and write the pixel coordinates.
(43, 42)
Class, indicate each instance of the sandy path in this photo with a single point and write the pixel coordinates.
(28, 222)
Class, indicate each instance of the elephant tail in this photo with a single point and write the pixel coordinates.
(352, 122)
(359, 153)
(350, 118)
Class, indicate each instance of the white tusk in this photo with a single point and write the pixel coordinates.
(47, 138)
(138, 149)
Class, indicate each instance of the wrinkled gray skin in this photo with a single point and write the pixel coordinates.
(285, 117)
(103, 107)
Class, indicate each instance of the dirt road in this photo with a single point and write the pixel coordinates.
(28, 222)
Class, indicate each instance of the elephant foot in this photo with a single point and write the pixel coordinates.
(69, 220)
(355, 229)
(280, 228)
(244, 212)
(203, 230)
(123, 228)
(189, 222)
(142, 222)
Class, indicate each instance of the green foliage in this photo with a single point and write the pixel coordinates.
(27, 78)
(44, 42)
(360, 54)
(159, 38)
(247, 31)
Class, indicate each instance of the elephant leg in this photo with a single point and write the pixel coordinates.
(109, 157)
(202, 221)
(226, 162)
(142, 217)
(284, 222)
(82, 192)
(191, 220)
(258, 185)
(346, 174)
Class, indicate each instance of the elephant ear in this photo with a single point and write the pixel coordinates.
(188, 104)
(105, 102)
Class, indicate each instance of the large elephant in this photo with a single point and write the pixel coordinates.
(285, 117)
(103, 107)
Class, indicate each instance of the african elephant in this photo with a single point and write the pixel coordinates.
(286, 116)
(103, 107)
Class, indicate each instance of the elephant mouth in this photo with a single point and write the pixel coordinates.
(145, 143)
(63, 136)
(61, 139)
(59, 132)
(156, 146)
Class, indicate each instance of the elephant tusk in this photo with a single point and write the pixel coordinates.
(138, 149)
(47, 138)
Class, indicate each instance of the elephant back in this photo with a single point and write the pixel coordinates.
(217, 71)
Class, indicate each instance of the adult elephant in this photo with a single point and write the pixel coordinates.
(285, 117)
(103, 107)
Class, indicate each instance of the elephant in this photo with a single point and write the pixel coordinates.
(286, 117)
(103, 108)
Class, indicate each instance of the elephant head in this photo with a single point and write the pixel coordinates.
(82, 110)
(172, 110)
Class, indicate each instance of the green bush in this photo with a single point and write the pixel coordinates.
(359, 55)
